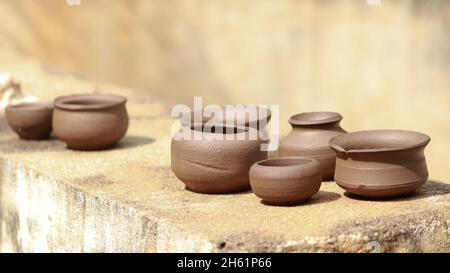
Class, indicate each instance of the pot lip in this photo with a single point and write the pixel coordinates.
(306, 118)
(204, 119)
(29, 107)
(95, 101)
(424, 140)
(289, 162)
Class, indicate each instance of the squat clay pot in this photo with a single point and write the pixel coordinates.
(90, 122)
(380, 163)
(31, 121)
(309, 138)
(244, 116)
(217, 161)
(286, 180)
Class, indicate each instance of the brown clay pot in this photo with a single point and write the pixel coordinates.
(90, 122)
(309, 138)
(31, 121)
(245, 116)
(380, 163)
(286, 180)
(206, 164)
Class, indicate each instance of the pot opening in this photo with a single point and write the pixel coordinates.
(86, 102)
(34, 106)
(220, 129)
(285, 162)
(244, 115)
(379, 141)
(315, 118)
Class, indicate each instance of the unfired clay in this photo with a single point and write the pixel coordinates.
(90, 122)
(31, 121)
(285, 180)
(208, 165)
(381, 163)
(309, 138)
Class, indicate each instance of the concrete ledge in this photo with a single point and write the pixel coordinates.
(128, 200)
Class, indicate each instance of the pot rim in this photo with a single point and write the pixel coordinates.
(310, 118)
(205, 119)
(91, 102)
(287, 162)
(29, 107)
(422, 141)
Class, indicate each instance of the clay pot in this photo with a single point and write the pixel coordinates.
(90, 122)
(205, 163)
(309, 138)
(380, 163)
(245, 116)
(31, 121)
(286, 180)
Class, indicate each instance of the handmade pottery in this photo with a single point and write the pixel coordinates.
(309, 138)
(380, 163)
(243, 116)
(31, 121)
(216, 160)
(90, 122)
(285, 180)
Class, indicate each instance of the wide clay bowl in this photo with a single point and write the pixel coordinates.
(238, 116)
(217, 160)
(285, 180)
(309, 138)
(381, 163)
(31, 121)
(90, 122)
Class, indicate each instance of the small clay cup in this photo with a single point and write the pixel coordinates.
(286, 180)
(90, 122)
(244, 116)
(207, 164)
(31, 121)
(309, 138)
(381, 163)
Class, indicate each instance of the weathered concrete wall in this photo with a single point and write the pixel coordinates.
(128, 200)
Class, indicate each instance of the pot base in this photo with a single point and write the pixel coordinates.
(215, 190)
(86, 147)
(33, 135)
(380, 192)
(284, 203)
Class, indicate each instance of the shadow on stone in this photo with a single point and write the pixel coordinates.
(129, 142)
(4, 125)
(16, 145)
(431, 188)
(230, 193)
(319, 198)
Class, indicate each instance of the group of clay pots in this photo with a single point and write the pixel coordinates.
(84, 122)
(382, 163)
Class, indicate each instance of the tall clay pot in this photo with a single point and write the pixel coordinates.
(309, 138)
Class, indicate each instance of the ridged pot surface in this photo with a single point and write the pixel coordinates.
(90, 122)
(381, 163)
(31, 121)
(310, 135)
(208, 165)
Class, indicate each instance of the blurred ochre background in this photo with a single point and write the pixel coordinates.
(385, 66)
